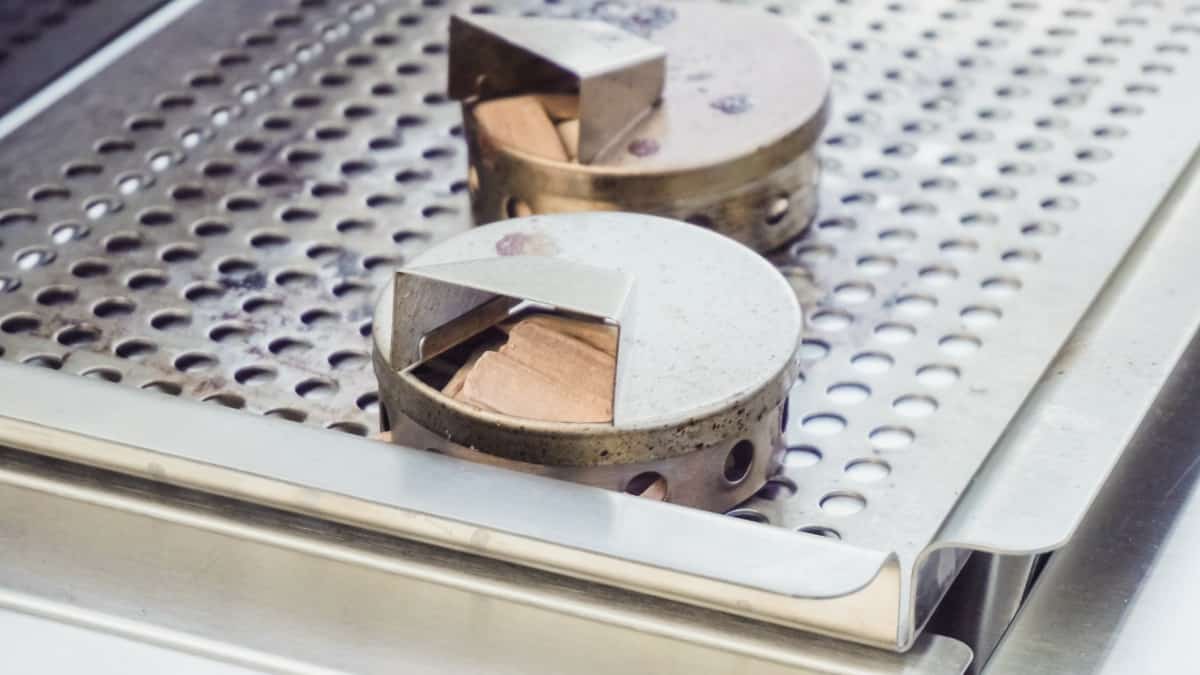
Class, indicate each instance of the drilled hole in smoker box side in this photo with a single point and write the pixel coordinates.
(750, 515)
(738, 462)
(649, 484)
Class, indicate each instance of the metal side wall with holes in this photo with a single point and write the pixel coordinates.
(211, 217)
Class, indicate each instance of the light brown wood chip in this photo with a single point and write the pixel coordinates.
(560, 106)
(455, 384)
(521, 122)
(568, 133)
(544, 372)
(599, 335)
(501, 383)
(562, 358)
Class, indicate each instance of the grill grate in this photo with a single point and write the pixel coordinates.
(219, 223)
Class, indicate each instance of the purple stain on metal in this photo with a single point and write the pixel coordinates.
(735, 104)
(643, 147)
(641, 20)
(522, 243)
(254, 281)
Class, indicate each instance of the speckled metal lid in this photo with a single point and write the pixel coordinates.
(737, 80)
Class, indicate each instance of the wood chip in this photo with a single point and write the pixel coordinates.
(656, 490)
(599, 335)
(560, 106)
(520, 122)
(588, 370)
(568, 134)
(501, 383)
(455, 384)
(551, 368)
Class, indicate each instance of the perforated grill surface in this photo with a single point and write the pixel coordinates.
(213, 217)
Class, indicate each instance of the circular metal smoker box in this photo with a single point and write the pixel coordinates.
(706, 345)
(702, 113)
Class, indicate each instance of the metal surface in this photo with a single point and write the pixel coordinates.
(39, 644)
(730, 146)
(1120, 597)
(805, 582)
(40, 39)
(260, 589)
(984, 148)
(1087, 407)
(617, 75)
(983, 601)
(684, 401)
(1099, 605)
(694, 334)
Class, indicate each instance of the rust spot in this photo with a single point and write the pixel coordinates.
(526, 243)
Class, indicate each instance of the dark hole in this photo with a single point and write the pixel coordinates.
(225, 331)
(162, 387)
(21, 323)
(157, 217)
(56, 295)
(170, 320)
(132, 349)
(649, 484)
(111, 307)
(122, 243)
(190, 362)
(202, 292)
(737, 463)
(147, 280)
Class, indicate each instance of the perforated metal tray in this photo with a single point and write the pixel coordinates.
(213, 215)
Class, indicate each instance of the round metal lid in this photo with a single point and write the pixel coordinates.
(704, 321)
(737, 81)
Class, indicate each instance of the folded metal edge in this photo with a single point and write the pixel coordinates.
(1044, 473)
(65, 508)
(693, 557)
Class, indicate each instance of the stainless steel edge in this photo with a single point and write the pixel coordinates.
(31, 638)
(1121, 596)
(1043, 474)
(266, 589)
(896, 515)
(698, 557)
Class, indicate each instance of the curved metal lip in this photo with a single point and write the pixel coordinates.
(405, 492)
